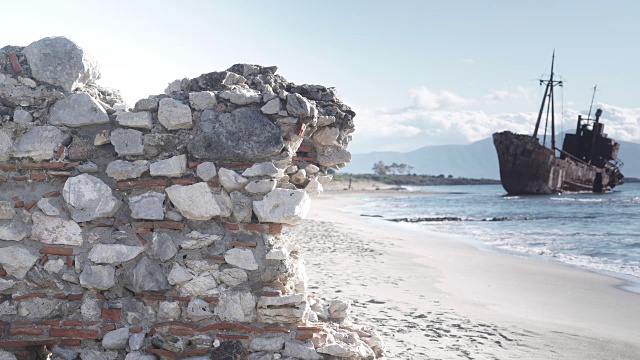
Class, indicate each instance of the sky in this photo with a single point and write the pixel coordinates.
(417, 73)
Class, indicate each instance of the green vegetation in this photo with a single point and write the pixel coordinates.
(416, 180)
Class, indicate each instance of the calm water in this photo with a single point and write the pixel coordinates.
(598, 232)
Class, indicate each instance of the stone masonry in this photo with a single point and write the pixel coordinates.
(159, 231)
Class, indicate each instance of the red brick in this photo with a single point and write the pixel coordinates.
(24, 343)
(216, 258)
(69, 262)
(19, 178)
(174, 323)
(193, 164)
(172, 225)
(135, 329)
(60, 180)
(113, 314)
(231, 326)
(63, 251)
(103, 224)
(213, 184)
(142, 231)
(180, 332)
(304, 148)
(60, 151)
(277, 329)
(309, 159)
(300, 129)
(59, 173)
(162, 353)
(141, 239)
(25, 331)
(51, 194)
(26, 296)
(72, 323)
(18, 204)
(231, 227)
(29, 205)
(49, 322)
(52, 165)
(100, 296)
(73, 297)
(184, 181)
(154, 297)
(73, 333)
(304, 336)
(15, 198)
(253, 227)
(181, 298)
(3, 272)
(60, 296)
(271, 293)
(44, 260)
(244, 243)
(210, 298)
(275, 229)
(30, 166)
(232, 337)
(140, 183)
(106, 329)
(70, 342)
(195, 352)
(71, 164)
(93, 323)
(8, 167)
(15, 65)
(310, 328)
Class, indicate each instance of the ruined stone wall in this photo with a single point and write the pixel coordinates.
(157, 231)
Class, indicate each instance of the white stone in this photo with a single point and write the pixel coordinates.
(179, 275)
(122, 170)
(7, 284)
(313, 188)
(236, 306)
(242, 258)
(240, 96)
(174, 86)
(8, 308)
(311, 169)
(201, 265)
(197, 240)
(270, 344)
(142, 119)
(54, 266)
(78, 109)
(27, 81)
(99, 277)
(326, 136)
(225, 203)
(233, 276)
(233, 79)
(148, 206)
(171, 167)
(91, 354)
(169, 311)
(299, 106)
(38, 143)
(22, 117)
(333, 155)
(272, 107)
(277, 254)
(230, 180)
(198, 310)
(89, 198)
(15, 230)
(242, 207)
(162, 246)
(283, 206)
(5, 355)
(136, 340)
(325, 120)
(263, 169)
(260, 186)
(46, 207)
(324, 179)
(127, 142)
(53, 230)
(300, 177)
(174, 115)
(101, 138)
(6, 146)
(202, 100)
(7, 211)
(116, 339)
(204, 284)
(114, 253)
(91, 307)
(195, 202)
(206, 171)
(301, 350)
(339, 309)
(37, 308)
(286, 309)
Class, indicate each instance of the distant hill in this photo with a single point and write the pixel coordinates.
(475, 160)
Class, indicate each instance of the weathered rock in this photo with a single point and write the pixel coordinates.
(78, 109)
(330, 156)
(135, 355)
(7, 212)
(171, 167)
(156, 144)
(197, 240)
(255, 137)
(326, 136)
(91, 307)
(101, 138)
(262, 169)
(116, 339)
(242, 258)
(195, 202)
(8, 284)
(242, 207)
(233, 276)
(6, 146)
(122, 170)
(287, 309)
(59, 61)
(37, 308)
(204, 284)
(16, 260)
(47, 208)
(206, 171)
(311, 169)
(300, 177)
(99, 277)
(22, 117)
(202, 100)
(54, 266)
(199, 310)
(64, 353)
(163, 246)
(230, 180)
(241, 96)
(148, 276)
(114, 253)
(53, 230)
(234, 79)
(39, 143)
(236, 306)
(169, 311)
(260, 186)
(148, 206)
(174, 115)
(325, 120)
(324, 179)
(89, 198)
(271, 344)
(127, 142)
(136, 340)
(357, 351)
(277, 254)
(301, 350)
(272, 107)
(313, 188)
(283, 206)
(91, 354)
(339, 309)
(149, 104)
(5, 355)
(179, 275)
(142, 119)
(15, 230)
(7, 308)
(299, 106)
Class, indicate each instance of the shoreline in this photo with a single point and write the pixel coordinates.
(446, 298)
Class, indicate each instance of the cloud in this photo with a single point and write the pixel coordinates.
(519, 92)
(468, 61)
(423, 98)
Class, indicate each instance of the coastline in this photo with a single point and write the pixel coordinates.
(438, 298)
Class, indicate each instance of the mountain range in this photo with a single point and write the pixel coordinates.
(475, 160)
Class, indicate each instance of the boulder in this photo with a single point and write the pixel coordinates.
(230, 180)
(339, 309)
(233, 276)
(197, 240)
(14, 230)
(99, 277)
(114, 253)
(89, 198)
(313, 188)
(260, 186)
(174, 115)
(169, 310)
(22, 116)
(288, 309)
(78, 109)
(127, 142)
(16, 260)
(241, 96)
(179, 275)
(270, 344)
(299, 106)
(37, 308)
(59, 61)
(283, 206)
(204, 284)
(262, 169)
(148, 206)
(163, 246)
(301, 350)
(255, 137)
(116, 339)
(136, 340)
(39, 143)
(206, 171)
(198, 310)
(195, 202)
(47, 208)
(148, 276)
(149, 104)
(55, 231)
(202, 100)
(122, 170)
(242, 207)
(236, 306)
(272, 107)
(142, 119)
(326, 136)
(172, 167)
(242, 258)
(330, 156)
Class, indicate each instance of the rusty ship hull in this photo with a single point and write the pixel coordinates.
(526, 167)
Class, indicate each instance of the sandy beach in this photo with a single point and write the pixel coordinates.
(439, 298)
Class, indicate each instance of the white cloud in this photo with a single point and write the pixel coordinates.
(468, 61)
(519, 92)
(423, 98)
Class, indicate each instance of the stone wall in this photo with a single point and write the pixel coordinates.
(157, 231)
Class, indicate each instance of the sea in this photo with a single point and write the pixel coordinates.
(596, 232)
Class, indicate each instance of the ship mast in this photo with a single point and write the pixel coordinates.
(548, 93)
